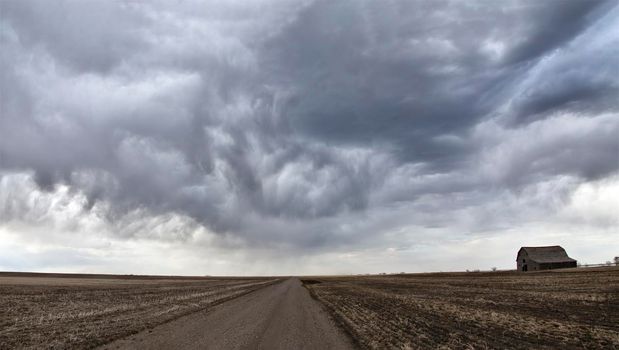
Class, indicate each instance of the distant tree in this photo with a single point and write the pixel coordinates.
(493, 268)
(608, 263)
(616, 261)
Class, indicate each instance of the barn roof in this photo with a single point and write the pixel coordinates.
(548, 254)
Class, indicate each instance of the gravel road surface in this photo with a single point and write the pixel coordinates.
(280, 316)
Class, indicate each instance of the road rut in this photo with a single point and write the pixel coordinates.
(280, 316)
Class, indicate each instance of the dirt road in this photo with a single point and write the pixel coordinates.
(281, 316)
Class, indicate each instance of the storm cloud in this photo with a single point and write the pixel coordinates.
(301, 131)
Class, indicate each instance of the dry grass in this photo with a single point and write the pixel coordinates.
(574, 309)
(55, 311)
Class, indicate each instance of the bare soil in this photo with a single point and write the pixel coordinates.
(569, 309)
(83, 311)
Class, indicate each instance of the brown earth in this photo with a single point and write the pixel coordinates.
(281, 316)
(569, 309)
(83, 311)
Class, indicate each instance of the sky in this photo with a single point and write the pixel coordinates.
(267, 137)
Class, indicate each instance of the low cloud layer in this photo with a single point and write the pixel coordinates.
(305, 136)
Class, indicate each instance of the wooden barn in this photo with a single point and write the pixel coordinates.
(543, 258)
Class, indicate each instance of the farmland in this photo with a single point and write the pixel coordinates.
(570, 309)
(84, 311)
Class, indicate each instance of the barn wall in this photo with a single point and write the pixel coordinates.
(558, 265)
(531, 265)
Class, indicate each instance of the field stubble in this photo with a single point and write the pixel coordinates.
(568, 310)
(77, 312)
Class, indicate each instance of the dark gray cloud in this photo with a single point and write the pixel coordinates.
(553, 24)
(88, 36)
(302, 125)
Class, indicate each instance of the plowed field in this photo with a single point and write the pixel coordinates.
(83, 311)
(571, 309)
